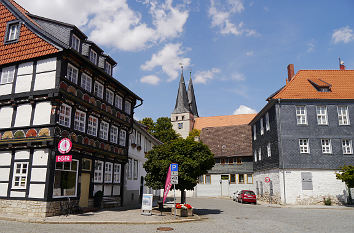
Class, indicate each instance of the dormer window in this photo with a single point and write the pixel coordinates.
(93, 57)
(13, 32)
(75, 43)
(108, 68)
(320, 85)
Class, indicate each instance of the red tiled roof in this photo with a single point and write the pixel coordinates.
(217, 121)
(29, 44)
(341, 83)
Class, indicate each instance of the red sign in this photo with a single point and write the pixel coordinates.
(267, 179)
(64, 158)
(64, 146)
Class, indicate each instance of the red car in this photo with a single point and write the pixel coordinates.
(247, 196)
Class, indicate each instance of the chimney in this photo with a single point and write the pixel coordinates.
(341, 65)
(290, 72)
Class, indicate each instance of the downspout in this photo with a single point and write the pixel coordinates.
(281, 150)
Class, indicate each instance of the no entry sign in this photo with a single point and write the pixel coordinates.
(267, 179)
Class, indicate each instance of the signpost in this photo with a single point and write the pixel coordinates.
(174, 181)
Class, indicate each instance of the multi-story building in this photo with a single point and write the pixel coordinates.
(54, 85)
(303, 136)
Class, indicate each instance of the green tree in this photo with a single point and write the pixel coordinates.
(194, 133)
(149, 123)
(193, 158)
(346, 174)
(161, 129)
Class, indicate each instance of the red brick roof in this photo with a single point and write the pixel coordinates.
(29, 44)
(303, 85)
(217, 121)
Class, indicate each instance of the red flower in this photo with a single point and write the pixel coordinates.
(188, 206)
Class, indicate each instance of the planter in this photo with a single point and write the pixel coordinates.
(182, 212)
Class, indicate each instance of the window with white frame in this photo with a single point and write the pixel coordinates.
(109, 96)
(80, 121)
(301, 115)
(13, 32)
(108, 68)
(254, 132)
(7, 75)
(267, 121)
(304, 146)
(130, 169)
(108, 172)
(75, 43)
(343, 115)
(255, 155)
(72, 73)
(114, 134)
(326, 146)
(321, 112)
(269, 150)
(127, 107)
(98, 174)
(20, 175)
(138, 139)
(98, 90)
(262, 128)
(119, 102)
(93, 56)
(207, 179)
(116, 173)
(92, 126)
(65, 179)
(103, 130)
(86, 82)
(132, 137)
(136, 168)
(122, 137)
(259, 154)
(65, 115)
(347, 146)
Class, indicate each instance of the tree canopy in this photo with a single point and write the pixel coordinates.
(161, 129)
(346, 174)
(194, 133)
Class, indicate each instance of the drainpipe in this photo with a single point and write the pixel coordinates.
(281, 150)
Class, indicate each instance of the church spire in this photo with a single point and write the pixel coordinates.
(182, 105)
(191, 98)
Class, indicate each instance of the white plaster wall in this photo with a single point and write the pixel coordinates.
(25, 68)
(274, 177)
(3, 189)
(5, 116)
(40, 157)
(22, 154)
(49, 64)
(5, 158)
(97, 187)
(23, 83)
(184, 132)
(23, 115)
(42, 113)
(45, 81)
(17, 194)
(5, 89)
(107, 189)
(36, 191)
(4, 174)
(39, 174)
(116, 189)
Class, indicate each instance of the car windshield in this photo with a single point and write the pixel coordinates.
(249, 193)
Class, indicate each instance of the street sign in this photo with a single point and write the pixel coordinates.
(174, 179)
(174, 173)
(267, 179)
(174, 167)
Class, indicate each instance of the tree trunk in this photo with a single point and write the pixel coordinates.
(183, 196)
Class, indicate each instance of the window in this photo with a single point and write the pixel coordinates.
(80, 121)
(109, 96)
(75, 43)
(132, 137)
(108, 172)
(72, 73)
(267, 121)
(231, 160)
(98, 174)
(259, 154)
(86, 82)
(233, 178)
(238, 161)
(108, 68)
(249, 179)
(304, 146)
(255, 155)
(7, 75)
(20, 175)
(138, 139)
(13, 32)
(135, 172)
(254, 132)
(347, 146)
(207, 179)
(222, 161)
(65, 115)
(130, 169)
(93, 56)
(65, 179)
(103, 130)
(98, 90)
(326, 146)
(114, 134)
(269, 151)
(116, 173)
(92, 126)
(301, 116)
(262, 128)
(321, 112)
(86, 164)
(119, 102)
(343, 115)
(122, 137)
(180, 125)
(127, 107)
(241, 178)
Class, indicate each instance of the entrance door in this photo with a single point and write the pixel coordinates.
(225, 185)
(85, 186)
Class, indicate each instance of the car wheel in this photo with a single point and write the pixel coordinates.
(255, 203)
(241, 200)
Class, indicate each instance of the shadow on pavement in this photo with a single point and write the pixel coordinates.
(201, 212)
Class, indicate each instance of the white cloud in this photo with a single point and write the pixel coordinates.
(238, 77)
(150, 79)
(344, 34)
(310, 46)
(244, 110)
(204, 76)
(221, 17)
(249, 53)
(169, 59)
(122, 27)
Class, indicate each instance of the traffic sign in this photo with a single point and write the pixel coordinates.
(174, 167)
(267, 179)
(174, 179)
(174, 173)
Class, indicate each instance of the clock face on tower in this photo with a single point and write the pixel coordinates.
(64, 146)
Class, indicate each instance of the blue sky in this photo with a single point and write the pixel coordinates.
(237, 50)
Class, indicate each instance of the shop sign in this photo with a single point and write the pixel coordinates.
(65, 145)
(64, 158)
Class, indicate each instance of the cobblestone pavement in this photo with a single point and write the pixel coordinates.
(221, 215)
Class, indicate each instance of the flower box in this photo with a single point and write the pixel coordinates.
(179, 212)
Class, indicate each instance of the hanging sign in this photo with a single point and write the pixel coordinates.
(65, 145)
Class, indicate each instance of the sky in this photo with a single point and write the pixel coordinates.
(236, 51)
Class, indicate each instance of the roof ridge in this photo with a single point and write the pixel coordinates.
(230, 115)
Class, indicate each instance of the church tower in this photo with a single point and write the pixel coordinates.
(182, 117)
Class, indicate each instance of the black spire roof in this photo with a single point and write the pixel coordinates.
(182, 105)
(191, 98)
